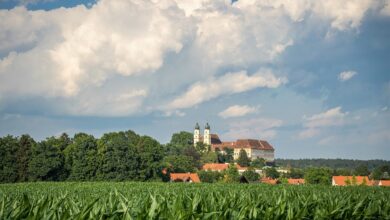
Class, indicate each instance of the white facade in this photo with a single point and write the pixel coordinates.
(207, 137)
(196, 136)
(255, 153)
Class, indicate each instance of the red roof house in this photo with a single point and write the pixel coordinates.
(296, 181)
(384, 183)
(185, 177)
(215, 166)
(269, 181)
(350, 180)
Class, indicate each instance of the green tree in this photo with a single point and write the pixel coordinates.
(150, 153)
(318, 176)
(361, 170)
(251, 175)
(296, 173)
(179, 163)
(8, 165)
(210, 176)
(243, 159)
(258, 163)
(342, 172)
(47, 162)
(202, 148)
(228, 155)
(209, 157)
(271, 172)
(23, 155)
(61, 143)
(83, 157)
(117, 153)
(231, 174)
(179, 141)
(194, 155)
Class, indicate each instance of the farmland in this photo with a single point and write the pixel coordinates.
(130, 200)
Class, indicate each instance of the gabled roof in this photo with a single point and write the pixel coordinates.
(185, 177)
(215, 166)
(269, 181)
(245, 143)
(384, 183)
(220, 166)
(342, 180)
(296, 181)
(214, 139)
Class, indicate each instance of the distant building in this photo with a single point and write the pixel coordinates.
(270, 181)
(185, 177)
(219, 167)
(351, 180)
(384, 183)
(296, 181)
(254, 148)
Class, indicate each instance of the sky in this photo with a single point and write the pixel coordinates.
(310, 77)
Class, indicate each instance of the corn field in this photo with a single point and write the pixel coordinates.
(129, 200)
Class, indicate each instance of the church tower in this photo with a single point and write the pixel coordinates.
(196, 133)
(206, 136)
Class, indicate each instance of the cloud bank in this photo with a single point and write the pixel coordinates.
(87, 61)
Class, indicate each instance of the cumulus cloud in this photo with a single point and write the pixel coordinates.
(256, 128)
(229, 83)
(314, 124)
(72, 54)
(237, 111)
(346, 75)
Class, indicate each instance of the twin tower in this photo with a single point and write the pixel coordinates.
(206, 138)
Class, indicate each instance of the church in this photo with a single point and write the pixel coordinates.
(253, 147)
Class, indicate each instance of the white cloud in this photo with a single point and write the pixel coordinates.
(72, 54)
(237, 111)
(314, 124)
(346, 75)
(229, 83)
(256, 128)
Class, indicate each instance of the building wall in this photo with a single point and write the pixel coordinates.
(237, 152)
(207, 137)
(255, 153)
(268, 155)
(196, 136)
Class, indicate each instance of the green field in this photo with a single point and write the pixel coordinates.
(129, 200)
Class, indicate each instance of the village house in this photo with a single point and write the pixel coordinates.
(254, 148)
(296, 181)
(384, 183)
(184, 177)
(219, 167)
(351, 180)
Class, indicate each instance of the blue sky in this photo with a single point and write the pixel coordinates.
(312, 78)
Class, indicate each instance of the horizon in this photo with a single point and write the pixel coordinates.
(311, 78)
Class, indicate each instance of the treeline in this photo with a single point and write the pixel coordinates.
(116, 156)
(345, 164)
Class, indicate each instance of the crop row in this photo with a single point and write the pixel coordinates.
(105, 200)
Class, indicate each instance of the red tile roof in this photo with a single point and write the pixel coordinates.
(296, 181)
(269, 181)
(185, 177)
(240, 167)
(384, 183)
(220, 166)
(215, 166)
(341, 180)
(245, 143)
(214, 139)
